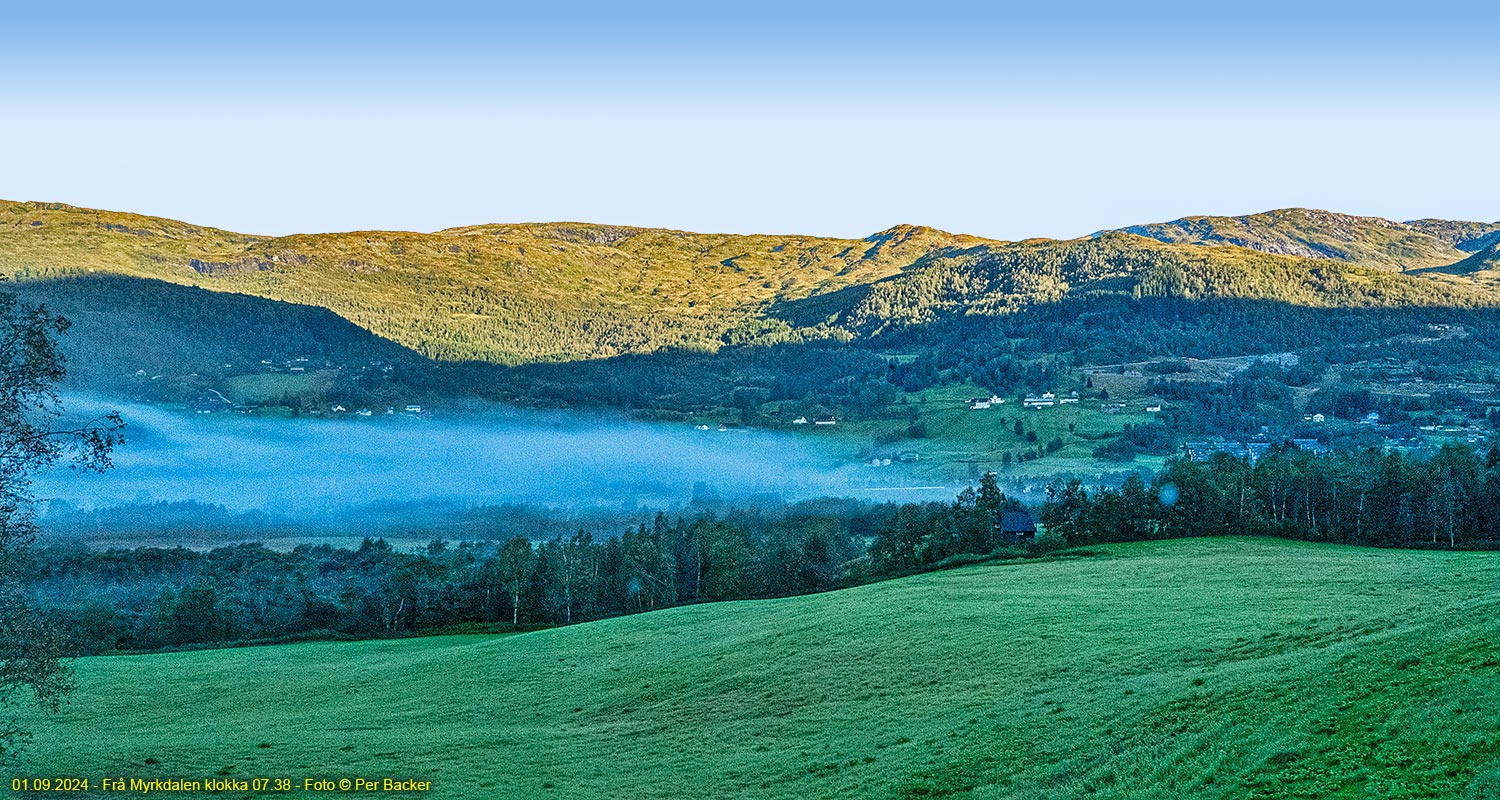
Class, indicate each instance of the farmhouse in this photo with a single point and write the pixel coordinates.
(978, 403)
(829, 420)
(1045, 400)
(800, 421)
(1017, 527)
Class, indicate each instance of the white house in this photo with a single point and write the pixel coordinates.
(1046, 400)
(800, 421)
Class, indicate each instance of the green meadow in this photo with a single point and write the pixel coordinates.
(1235, 668)
(959, 443)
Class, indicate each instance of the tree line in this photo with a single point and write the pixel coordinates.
(151, 598)
(1445, 499)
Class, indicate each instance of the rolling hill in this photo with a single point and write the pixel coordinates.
(512, 294)
(498, 293)
(1484, 260)
(1309, 233)
(1209, 668)
(676, 325)
(995, 280)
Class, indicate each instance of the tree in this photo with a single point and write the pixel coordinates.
(32, 437)
(1064, 513)
(515, 563)
(988, 507)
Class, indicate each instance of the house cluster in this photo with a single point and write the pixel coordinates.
(905, 457)
(1316, 419)
(1048, 400)
(827, 419)
(978, 403)
(411, 409)
(290, 365)
(1471, 434)
(1121, 408)
(1043, 400)
(1250, 451)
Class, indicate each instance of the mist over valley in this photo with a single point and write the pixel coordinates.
(266, 478)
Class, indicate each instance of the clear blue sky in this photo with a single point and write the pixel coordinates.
(1006, 120)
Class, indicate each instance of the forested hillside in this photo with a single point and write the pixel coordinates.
(512, 294)
(764, 328)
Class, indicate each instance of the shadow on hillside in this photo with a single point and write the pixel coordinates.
(124, 327)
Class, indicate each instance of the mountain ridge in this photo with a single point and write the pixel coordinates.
(514, 293)
(1318, 234)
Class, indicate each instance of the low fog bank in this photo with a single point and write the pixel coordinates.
(302, 472)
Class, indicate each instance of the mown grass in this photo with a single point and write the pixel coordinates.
(1201, 668)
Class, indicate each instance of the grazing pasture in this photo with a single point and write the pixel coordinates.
(1200, 668)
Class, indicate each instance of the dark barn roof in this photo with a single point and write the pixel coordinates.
(1017, 522)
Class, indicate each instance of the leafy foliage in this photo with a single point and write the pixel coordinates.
(32, 438)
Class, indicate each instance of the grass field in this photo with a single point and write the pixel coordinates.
(1199, 668)
(962, 443)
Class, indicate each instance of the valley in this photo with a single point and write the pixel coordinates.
(886, 338)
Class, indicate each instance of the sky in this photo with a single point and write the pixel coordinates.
(1007, 120)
